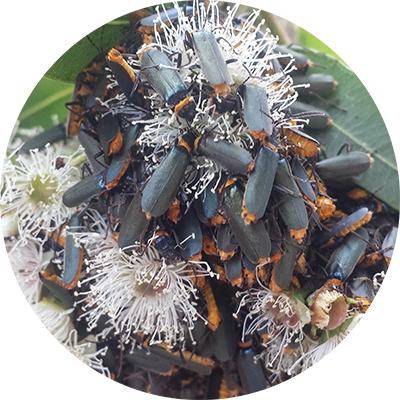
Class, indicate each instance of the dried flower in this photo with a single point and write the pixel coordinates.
(328, 305)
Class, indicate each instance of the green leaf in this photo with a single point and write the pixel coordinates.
(77, 54)
(356, 121)
(75, 59)
(45, 104)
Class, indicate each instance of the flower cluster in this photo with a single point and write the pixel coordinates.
(201, 236)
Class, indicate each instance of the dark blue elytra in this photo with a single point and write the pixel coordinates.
(162, 76)
(259, 185)
(134, 224)
(228, 155)
(84, 190)
(256, 111)
(211, 61)
(343, 166)
(163, 185)
(346, 256)
(291, 205)
(253, 239)
(54, 134)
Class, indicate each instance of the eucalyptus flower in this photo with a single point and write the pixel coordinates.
(28, 260)
(138, 290)
(32, 190)
(55, 318)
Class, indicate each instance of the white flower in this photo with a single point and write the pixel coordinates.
(9, 225)
(139, 291)
(32, 189)
(55, 318)
(28, 260)
(87, 352)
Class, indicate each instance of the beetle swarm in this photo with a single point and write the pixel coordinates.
(200, 160)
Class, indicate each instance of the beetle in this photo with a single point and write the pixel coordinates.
(346, 255)
(55, 286)
(157, 68)
(106, 178)
(301, 61)
(314, 84)
(374, 254)
(283, 269)
(317, 118)
(109, 134)
(388, 244)
(54, 134)
(213, 315)
(357, 197)
(141, 357)
(276, 239)
(120, 197)
(324, 203)
(344, 226)
(226, 243)
(250, 370)
(212, 62)
(343, 166)
(290, 203)
(221, 343)
(85, 189)
(228, 155)
(301, 143)
(303, 180)
(153, 22)
(91, 85)
(206, 204)
(165, 245)
(231, 104)
(233, 270)
(259, 185)
(256, 111)
(163, 185)
(248, 265)
(209, 245)
(361, 286)
(125, 76)
(93, 150)
(183, 358)
(121, 160)
(253, 239)
(134, 224)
